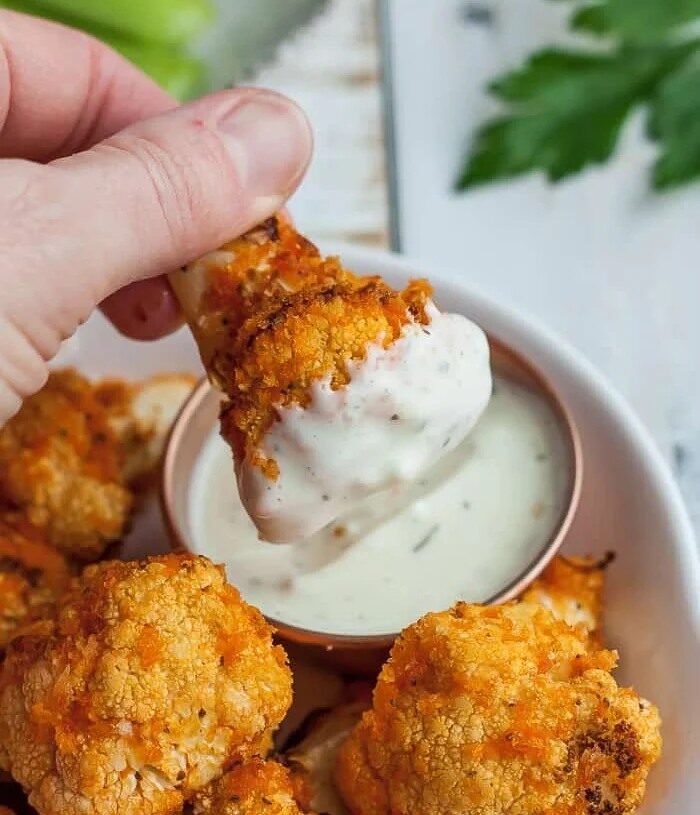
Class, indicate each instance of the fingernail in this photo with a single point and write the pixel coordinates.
(270, 141)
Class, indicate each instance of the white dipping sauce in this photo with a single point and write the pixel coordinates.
(462, 531)
(405, 407)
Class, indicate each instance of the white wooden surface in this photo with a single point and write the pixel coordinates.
(331, 67)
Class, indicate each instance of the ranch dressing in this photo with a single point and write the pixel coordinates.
(404, 408)
(462, 531)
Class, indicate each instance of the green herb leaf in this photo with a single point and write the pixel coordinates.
(565, 111)
(675, 122)
(636, 20)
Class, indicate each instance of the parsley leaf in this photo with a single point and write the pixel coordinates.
(565, 110)
(675, 122)
(636, 20)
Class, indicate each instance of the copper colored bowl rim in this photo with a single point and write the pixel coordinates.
(351, 642)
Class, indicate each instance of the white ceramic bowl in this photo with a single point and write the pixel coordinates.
(629, 504)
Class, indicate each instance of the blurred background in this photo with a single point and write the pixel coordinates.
(545, 151)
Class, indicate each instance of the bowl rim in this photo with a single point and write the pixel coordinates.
(538, 563)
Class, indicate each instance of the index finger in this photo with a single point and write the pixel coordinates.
(62, 90)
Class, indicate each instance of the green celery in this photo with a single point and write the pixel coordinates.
(168, 22)
(180, 74)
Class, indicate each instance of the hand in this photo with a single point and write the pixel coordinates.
(95, 198)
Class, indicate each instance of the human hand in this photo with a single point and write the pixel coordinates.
(97, 201)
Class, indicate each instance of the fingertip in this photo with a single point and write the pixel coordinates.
(145, 310)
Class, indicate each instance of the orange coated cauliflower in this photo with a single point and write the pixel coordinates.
(141, 414)
(494, 710)
(60, 466)
(152, 680)
(257, 787)
(271, 316)
(572, 589)
(33, 576)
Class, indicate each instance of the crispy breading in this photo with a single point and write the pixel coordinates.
(571, 588)
(141, 414)
(153, 678)
(252, 788)
(61, 466)
(33, 575)
(493, 710)
(294, 342)
(272, 316)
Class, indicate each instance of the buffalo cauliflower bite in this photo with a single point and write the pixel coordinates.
(153, 678)
(272, 316)
(292, 343)
(256, 787)
(572, 589)
(141, 414)
(494, 710)
(33, 575)
(60, 466)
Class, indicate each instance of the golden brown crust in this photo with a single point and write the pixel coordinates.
(275, 316)
(153, 678)
(257, 787)
(492, 710)
(33, 576)
(571, 588)
(299, 340)
(61, 466)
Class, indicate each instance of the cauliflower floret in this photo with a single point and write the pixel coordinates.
(60, 465)
(33, 575)
(291, 343)
(572, 589)
(253, 788)
(271, 316)
(311, 759)
(154, 677)
(141, 414)
(498, 710)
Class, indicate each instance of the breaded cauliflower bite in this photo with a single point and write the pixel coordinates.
(257, 787)
(60, 466)
(141, 414)
(152, 680)
(33, 576)
(572, 589)
(271, 316)
(494, 710)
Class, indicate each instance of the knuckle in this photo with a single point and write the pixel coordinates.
(180, 181)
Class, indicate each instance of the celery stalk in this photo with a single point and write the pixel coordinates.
(168, 22)
(181, 75)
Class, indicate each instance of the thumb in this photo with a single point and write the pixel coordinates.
(168, 189)
(143, 202)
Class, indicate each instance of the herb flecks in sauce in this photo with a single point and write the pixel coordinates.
(425, 540)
